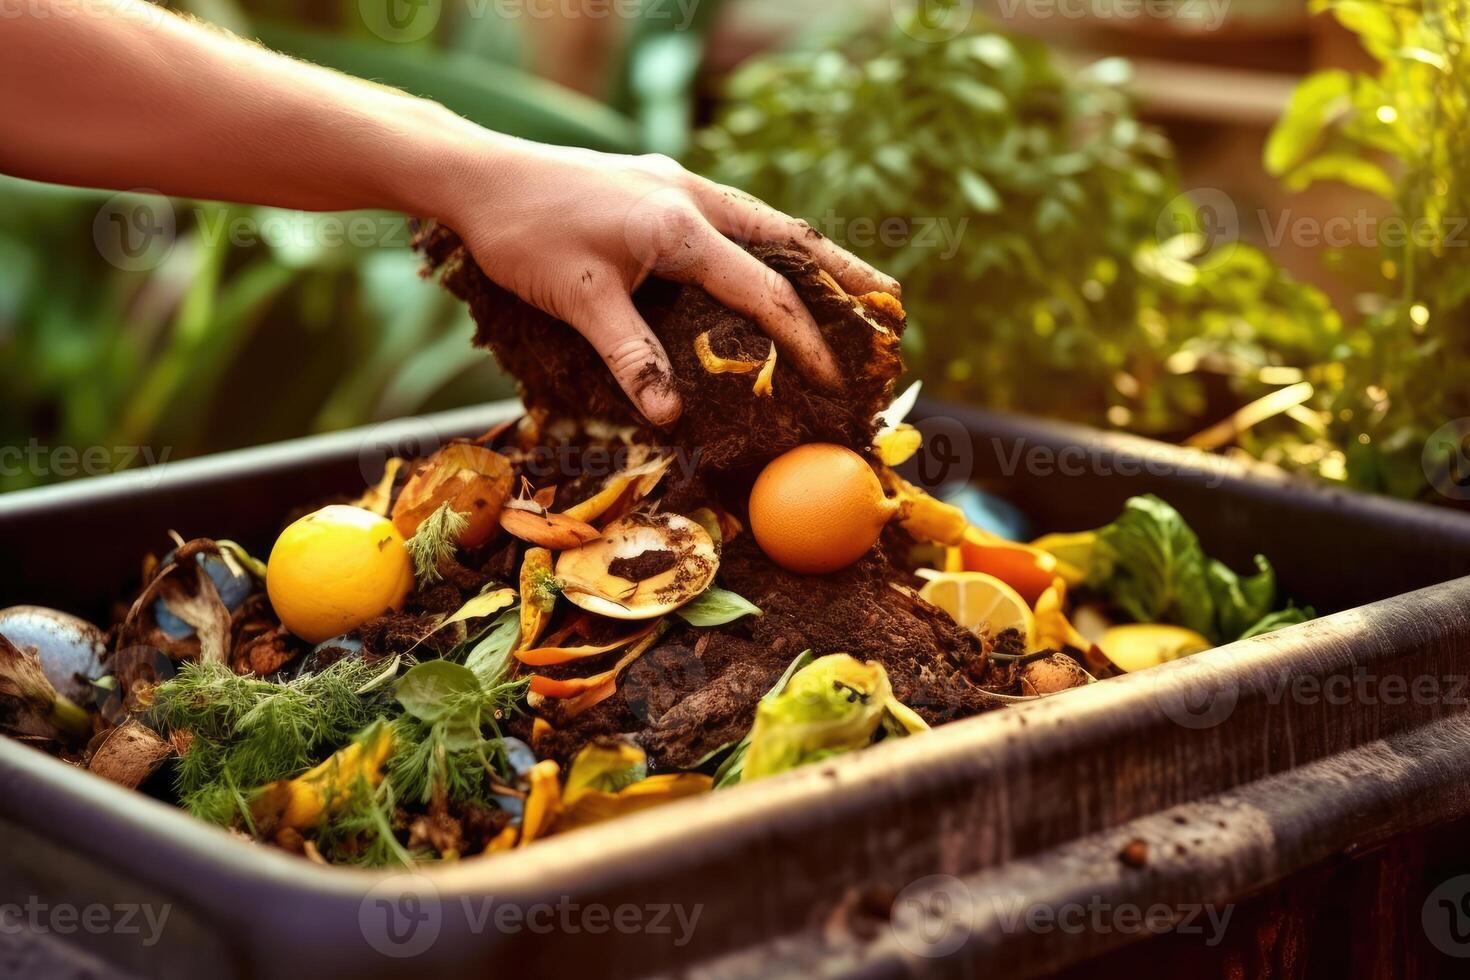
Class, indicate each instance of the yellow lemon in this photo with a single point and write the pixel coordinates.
(335, 569)
(981, 603)
(1138, 646)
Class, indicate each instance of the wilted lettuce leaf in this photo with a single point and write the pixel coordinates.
(1240, 602)
(1150, 563)
(1290, 616)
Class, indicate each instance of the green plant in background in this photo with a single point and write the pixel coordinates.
(1049, 263)
(1399, 134)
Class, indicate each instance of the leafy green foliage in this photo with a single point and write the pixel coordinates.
(245, 732)
(489, 656)
(1398, 133)
(1150, 564)
(716, 607)
(1048, 263)
(440, 742)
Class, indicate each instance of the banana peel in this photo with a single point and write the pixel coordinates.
(604, 781)
(923, 517)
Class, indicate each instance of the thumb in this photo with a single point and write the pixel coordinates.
(633, 354)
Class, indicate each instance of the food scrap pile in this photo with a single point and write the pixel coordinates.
(574, 616)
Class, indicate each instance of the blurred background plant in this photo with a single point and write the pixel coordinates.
(1069, 275)
(1052, 262)
(1397, 131)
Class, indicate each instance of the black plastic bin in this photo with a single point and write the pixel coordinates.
(1223, 781)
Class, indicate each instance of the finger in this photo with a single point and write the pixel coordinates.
(633, 354)
(743, 283)
(748, 219)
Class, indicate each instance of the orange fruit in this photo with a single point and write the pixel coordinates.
(818, 508)
(335, 569)
(1027, 569)
(981, 603)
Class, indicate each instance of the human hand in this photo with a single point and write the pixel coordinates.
(575, 232)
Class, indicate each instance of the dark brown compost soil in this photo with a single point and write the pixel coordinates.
(727, 427)
(697, 689)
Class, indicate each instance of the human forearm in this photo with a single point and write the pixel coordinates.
(145, 99)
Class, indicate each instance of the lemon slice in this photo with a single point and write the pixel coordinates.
(981, 603)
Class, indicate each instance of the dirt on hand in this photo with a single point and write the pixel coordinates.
(724, 426)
